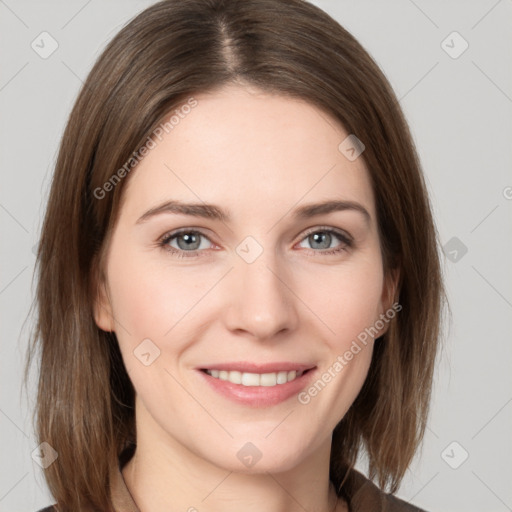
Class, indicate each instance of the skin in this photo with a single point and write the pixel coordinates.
(259, 156)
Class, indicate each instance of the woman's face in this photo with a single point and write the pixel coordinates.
(259, 287)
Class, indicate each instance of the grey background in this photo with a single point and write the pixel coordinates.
(459, 110)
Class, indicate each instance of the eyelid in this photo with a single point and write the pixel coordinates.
(170, 235)
(340, 232)
(163, 241)
(179, 231)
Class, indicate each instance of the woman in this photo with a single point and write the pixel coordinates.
(239, 287)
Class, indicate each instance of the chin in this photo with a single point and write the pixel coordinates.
(259, 457)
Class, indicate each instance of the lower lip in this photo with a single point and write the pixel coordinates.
(258, 396)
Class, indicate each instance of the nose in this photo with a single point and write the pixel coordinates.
(260, 298)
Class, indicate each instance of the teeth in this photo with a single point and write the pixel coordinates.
(268, 379)
(250, 379)
(282, 378)
(255, 379)
(235, 377)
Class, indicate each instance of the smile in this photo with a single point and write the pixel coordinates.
(255, 379)
(258, 385)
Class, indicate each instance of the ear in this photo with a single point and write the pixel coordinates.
(389, 297)
(102, 306)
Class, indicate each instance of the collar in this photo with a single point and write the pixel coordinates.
(364, 495)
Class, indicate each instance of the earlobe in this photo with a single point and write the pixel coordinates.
(103, 309)
(390, 291)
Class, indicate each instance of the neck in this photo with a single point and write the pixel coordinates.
(163, 475)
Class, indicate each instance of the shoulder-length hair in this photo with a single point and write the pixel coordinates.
(166, 54)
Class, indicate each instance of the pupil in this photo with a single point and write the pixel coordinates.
(189, 239)
(321, 238)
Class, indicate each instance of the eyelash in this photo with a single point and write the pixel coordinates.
(346, 242)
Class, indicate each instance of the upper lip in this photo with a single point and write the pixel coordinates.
(246, 367)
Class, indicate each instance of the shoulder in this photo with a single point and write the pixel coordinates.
(395, 504)
(365, 495)
(51, 508)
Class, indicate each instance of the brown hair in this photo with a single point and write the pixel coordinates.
(85, 403)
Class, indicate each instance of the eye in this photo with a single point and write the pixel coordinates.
(323, 238)
(191, 243)
(185, 241)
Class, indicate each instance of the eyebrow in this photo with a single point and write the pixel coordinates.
(211, 211)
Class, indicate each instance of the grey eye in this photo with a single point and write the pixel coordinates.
(187, 241)
(320, 240)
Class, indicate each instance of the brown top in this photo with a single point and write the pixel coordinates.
(364, 495)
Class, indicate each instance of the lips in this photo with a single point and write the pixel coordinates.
(258, 385)
(243, 366)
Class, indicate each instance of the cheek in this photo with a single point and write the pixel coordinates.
(348, 301)
(149, 298)
(350, 305)
(150, 302)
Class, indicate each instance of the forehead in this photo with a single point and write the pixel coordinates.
(252, 152)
